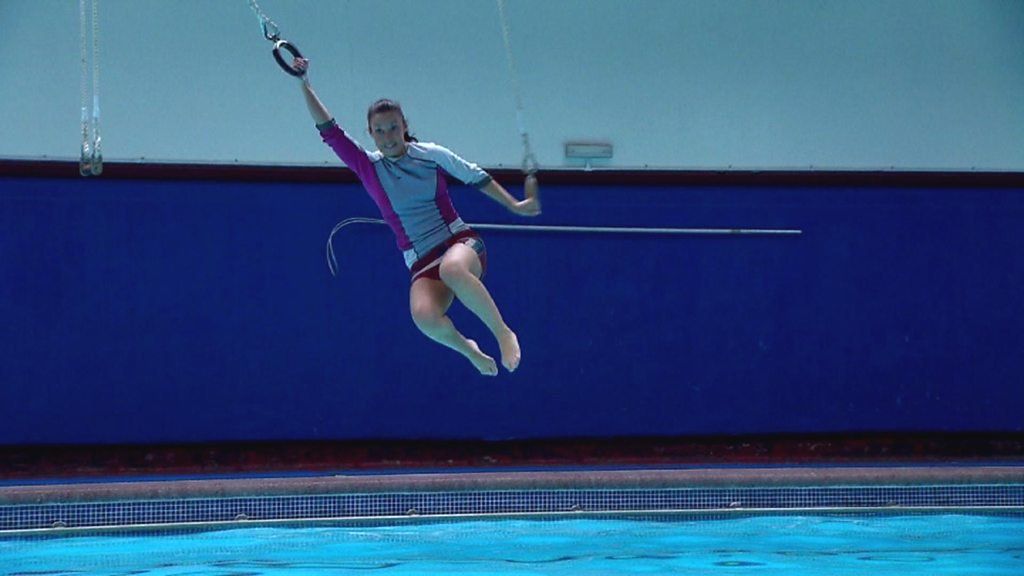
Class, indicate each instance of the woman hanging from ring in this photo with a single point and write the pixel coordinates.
(445, 257)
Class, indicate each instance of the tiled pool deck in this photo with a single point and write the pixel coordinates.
(46, 507)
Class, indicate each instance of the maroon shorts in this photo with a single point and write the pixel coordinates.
(429, 266)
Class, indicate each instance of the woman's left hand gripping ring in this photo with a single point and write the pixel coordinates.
(285, 65)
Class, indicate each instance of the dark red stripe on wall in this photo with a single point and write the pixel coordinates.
(340, 174)
(20, 462)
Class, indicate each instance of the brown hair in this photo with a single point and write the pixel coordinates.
(385, 105)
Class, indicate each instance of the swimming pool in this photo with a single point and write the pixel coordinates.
(810, 520)
(795, 545)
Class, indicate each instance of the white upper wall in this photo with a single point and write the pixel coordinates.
(688, 84)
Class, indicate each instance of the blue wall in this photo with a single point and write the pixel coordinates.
(146, 311)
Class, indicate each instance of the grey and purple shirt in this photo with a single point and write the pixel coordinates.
(411, 191)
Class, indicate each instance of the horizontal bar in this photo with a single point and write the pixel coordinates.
(611, 229)
(633, 230)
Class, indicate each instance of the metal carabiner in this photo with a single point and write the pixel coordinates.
(530, 165)
(270, 30)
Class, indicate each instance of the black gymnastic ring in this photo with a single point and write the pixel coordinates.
(278, 45)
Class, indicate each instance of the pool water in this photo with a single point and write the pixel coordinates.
(757, 545)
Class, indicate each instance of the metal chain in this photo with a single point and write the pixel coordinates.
(529, 160)
(91, 161)
(97, 149)
(270, 31)
(85, 161)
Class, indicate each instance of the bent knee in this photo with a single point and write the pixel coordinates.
(426, 313)
(454, 272)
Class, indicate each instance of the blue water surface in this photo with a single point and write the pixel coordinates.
(935, 545)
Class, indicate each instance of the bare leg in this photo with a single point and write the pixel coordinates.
(429, 301)
(460, 271)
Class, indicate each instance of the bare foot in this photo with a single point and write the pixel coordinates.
(509, 350)
(484, 363)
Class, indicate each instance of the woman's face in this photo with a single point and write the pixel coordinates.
(388, 131)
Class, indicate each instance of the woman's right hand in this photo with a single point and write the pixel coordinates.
(530, 206)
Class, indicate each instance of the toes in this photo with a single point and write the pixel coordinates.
(490, 369)
(510, 351)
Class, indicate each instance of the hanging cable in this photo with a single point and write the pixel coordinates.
(529, 165)
(332, 263)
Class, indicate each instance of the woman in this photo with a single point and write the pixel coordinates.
(446, 258)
